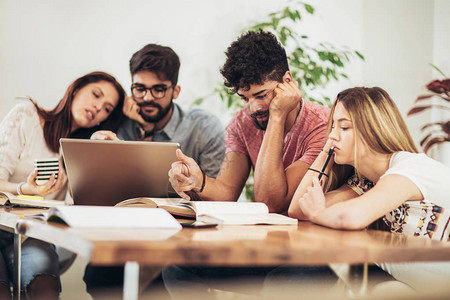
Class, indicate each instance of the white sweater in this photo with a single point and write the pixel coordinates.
(21, 142)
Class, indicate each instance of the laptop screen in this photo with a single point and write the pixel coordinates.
(106, 172)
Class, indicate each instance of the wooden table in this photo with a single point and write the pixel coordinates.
(305, 244)
(10, 215)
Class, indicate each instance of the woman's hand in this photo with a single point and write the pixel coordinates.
(132, 111)
(306, 184)
(313, 201)
(328, 145)
(104, 135)
(51, 186)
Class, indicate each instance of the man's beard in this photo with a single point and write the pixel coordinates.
(261, 125)
(162, 112)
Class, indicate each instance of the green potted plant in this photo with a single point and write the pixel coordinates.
(435, 132)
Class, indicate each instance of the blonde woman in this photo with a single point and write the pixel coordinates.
(376, 172)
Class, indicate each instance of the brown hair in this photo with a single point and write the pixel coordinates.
(161, 60)
(58, 121)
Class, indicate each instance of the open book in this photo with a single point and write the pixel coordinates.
(80, 216)
(221, 212)
(8, 199)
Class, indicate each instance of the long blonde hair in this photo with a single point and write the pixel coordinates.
(377, 122)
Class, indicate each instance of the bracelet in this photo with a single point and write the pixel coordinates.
(317, 171)
(19, 188)
(203, 182)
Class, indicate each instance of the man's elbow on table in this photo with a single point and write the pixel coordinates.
(273, 202)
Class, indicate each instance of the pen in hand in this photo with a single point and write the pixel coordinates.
(327, 160)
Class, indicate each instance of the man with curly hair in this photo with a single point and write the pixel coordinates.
(278, 133)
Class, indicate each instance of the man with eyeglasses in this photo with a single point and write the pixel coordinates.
(153, 116)
(278, 134)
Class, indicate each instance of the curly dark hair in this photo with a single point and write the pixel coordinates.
(252, 59)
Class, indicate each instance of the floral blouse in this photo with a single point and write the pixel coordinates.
(417, 218)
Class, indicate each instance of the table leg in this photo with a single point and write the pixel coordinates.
(359, 279)
(131, 281)
(365, 280)
(17, 265)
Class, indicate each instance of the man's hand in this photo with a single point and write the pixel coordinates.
(51, 186)
(185, 175)
(104, 135)
(287, 97)
(131, 109)
(313, 201)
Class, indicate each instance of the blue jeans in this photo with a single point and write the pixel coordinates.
(185, 282)
(38, 258)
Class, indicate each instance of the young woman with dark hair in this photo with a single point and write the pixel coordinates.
(93, 101)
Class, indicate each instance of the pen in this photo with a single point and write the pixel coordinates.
(327, 160)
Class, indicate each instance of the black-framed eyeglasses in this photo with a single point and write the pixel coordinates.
(158, 91)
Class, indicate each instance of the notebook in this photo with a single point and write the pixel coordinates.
(106, 172)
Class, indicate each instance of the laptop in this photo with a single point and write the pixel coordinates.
(106, 172)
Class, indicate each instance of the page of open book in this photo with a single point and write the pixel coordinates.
(222, 207)
(114, 217)
(247, 219)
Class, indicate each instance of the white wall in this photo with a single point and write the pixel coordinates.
(46, 44)
(441, 53)
(398, 44)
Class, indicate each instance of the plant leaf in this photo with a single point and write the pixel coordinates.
(422, 142)
(446, 127)
(360, 55)
(417, 109)
(309, 9)
(432, 124)
(275, 22)
(437, 69)
(423, 97)
(433, 141)
(197, 101)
